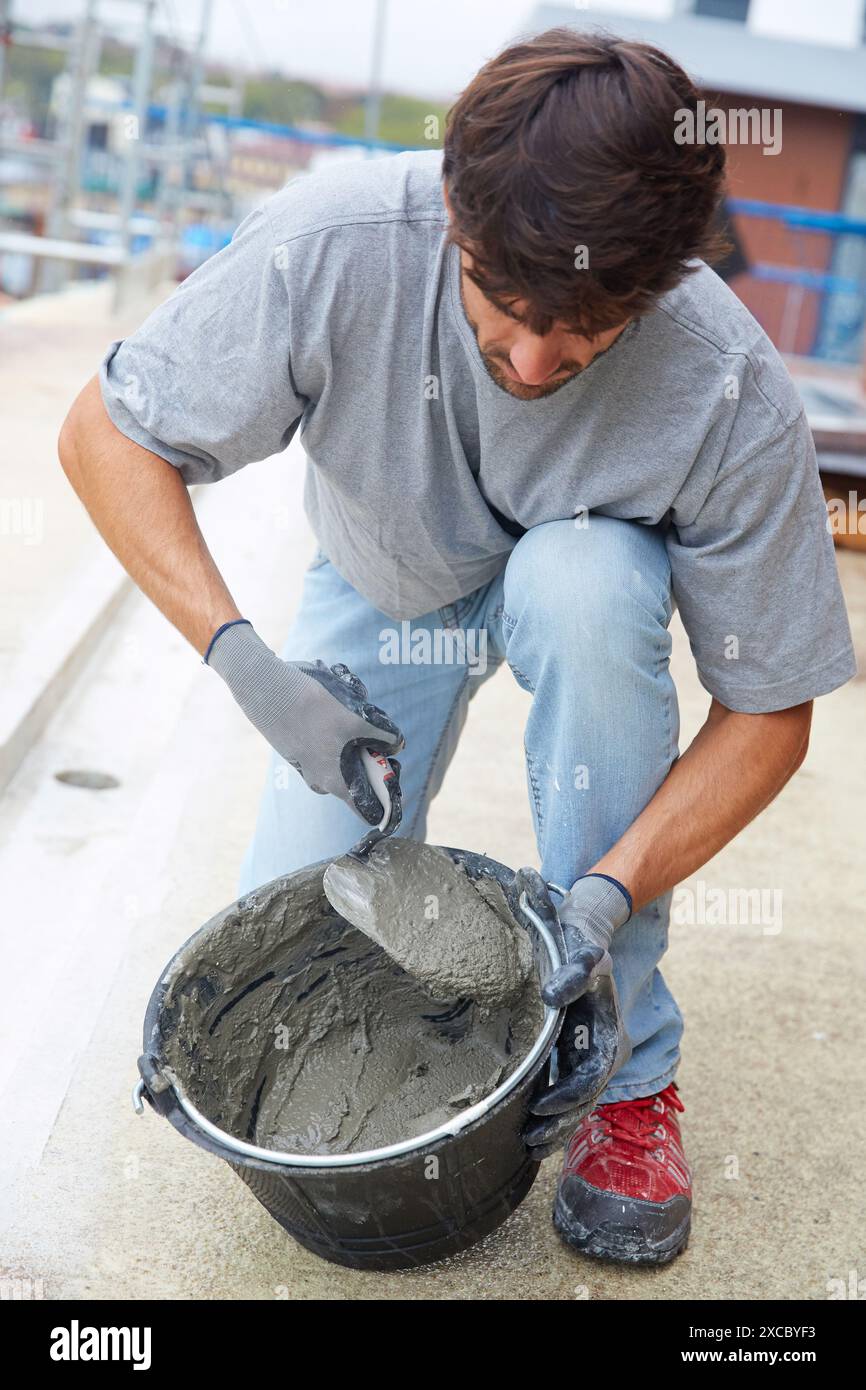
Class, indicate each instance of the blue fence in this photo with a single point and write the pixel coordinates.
(840, 286)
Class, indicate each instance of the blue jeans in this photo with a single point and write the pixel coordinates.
(580, 615)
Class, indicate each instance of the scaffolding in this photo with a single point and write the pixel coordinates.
(59, 251)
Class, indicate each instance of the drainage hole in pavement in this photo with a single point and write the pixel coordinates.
(93, 781)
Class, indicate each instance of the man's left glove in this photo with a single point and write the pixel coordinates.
(592, 1043)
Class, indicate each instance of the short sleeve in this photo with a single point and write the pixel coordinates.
(754, 576)
(206, 381)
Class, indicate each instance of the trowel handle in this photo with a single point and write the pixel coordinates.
(380, 773)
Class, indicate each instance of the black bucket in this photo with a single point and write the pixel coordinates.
(390, 1208)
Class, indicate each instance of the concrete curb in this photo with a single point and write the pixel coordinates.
(59, 650)
(55, 655)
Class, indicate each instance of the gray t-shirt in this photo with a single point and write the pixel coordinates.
(337, 308)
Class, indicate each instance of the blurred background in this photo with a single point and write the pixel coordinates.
(136, 134)
(134, 137)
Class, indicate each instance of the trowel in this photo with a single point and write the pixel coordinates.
(421, 907)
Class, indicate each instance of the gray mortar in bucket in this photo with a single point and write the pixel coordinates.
(345, 1050)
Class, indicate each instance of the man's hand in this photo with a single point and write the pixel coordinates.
(592, 1043)
(316, 717)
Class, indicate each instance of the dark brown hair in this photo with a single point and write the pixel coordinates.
(566, 140)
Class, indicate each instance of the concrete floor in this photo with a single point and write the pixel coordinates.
(101, 887)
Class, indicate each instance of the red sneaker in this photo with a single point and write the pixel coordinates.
(625, 1193)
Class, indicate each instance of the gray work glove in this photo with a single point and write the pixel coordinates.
(592, 1043)
(315, 716)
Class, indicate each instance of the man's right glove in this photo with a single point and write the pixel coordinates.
(316, 717)
(592, 1042)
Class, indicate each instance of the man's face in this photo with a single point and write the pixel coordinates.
(522, 363)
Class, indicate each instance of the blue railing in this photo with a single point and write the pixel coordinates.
(840, 323)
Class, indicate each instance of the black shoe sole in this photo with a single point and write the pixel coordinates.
(619, 1245)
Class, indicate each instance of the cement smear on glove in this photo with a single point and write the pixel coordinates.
(289, 1028)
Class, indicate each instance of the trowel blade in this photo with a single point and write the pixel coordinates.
(351, 888)
(421, 907)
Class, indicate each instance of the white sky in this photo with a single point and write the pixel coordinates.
(432, 47)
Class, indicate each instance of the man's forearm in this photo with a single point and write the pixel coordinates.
(734, 768)
(141, 507)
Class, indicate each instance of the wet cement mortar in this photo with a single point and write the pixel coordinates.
(291, 1029)
(422, 908)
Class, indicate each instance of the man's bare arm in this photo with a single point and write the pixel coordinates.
(734, 768)
(141, 507)
(317, 720)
